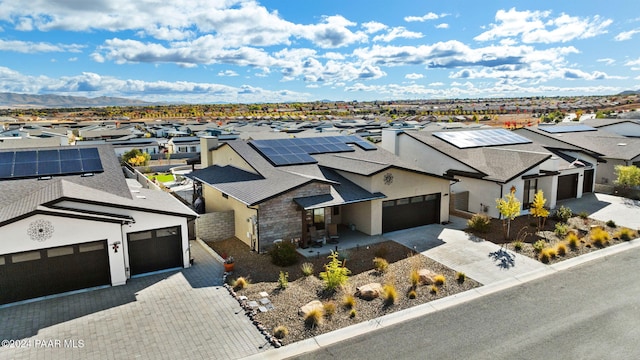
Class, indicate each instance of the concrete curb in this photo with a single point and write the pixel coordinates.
(362, 328)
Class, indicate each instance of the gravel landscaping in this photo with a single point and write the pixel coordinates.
(263, 277)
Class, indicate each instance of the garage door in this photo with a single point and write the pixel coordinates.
(567, 186)
(588, 181)
(410, 212)
(32, 274)
(155, 250)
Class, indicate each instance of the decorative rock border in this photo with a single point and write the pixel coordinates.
(251, 314)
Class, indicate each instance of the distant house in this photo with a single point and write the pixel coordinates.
(285, 188)
(181, 145)
(70, 220)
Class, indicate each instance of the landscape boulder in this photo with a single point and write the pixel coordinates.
(369, 291)
(315, 304)
(426, 276)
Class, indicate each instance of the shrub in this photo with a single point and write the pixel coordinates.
(479, 223)
(583, 215)
(335, 274)
(539, 245)
(283, 280)
(547, 254)
(625, 234)
(439, 279)
(329, 308)
(561, 249)
(390, 294)
(517, 245)
(412, 294)
(414, 278)
(461, 277)
(611, 223)
(572, 240)
(433, 289)
(352, 313)
(280, 332)
(240, 283)
(563, 214)
(283, 254)
(314, 318)
(599, 237)
(307, 269)
(380, 264)
(349, 301)
(561, 229)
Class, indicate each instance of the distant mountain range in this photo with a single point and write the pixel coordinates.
(14, 100)
(629, 92)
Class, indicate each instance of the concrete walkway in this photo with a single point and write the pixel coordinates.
(603, 207)
(480, 260)
(181, 314)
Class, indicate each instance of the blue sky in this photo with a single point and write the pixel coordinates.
(213, 51)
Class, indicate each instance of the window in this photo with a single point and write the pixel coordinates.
(530, 189)
(318, 218)
(388, 203)
(61, 251)
(417, 199)
(403, 201)
(26, 256)
(336, 210)
(92, 246)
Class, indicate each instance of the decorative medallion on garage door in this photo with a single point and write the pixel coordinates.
(388, 178)
(40, 230)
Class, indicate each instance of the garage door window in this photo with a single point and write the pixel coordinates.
(61, 251)
(167, 232)
(26, 256)
(2, 260)
(94, 246)
(388, 203)
(417, 199)
(143, 235)
(404, 201)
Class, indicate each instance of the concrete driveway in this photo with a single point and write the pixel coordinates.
(623, 211)
(183, 314)
(480, 260)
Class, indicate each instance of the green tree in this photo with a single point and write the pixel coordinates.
(509, 208)
(538, 210)
(135, 157)
(627, 176)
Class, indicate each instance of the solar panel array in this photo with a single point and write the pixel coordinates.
(480, 138)
(41, 163)
(296, 151)
(560, 129)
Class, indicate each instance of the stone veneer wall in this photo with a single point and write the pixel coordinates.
(281, 218)
(215, 226)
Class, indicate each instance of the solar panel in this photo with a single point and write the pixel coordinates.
(479, 138)
(560, 129)
(38, 163)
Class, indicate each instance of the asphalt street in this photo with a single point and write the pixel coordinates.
(591, 311)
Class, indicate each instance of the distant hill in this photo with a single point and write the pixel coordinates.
(14, 100)
(629, 92)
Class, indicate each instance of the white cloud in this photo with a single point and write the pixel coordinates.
(413, 76)
(442, 26)
(434, 84)
(373, 27)
(425, 17)
(28, 47)
(227, 73)
(633, 62)
(627, 35)
(540, 27)
(397, 32)
(607, 61)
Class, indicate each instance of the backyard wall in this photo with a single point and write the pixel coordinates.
(215, 226)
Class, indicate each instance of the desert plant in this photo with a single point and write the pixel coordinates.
(611, 223)
(479, 223)
(509, 208)
(335, 273)
(314, 317)
(352, 313)
(538, 210)
(280, 332)
(461, 277)
(380, 264)
(561, 229)
(283, 254)
(572, 240)
(563, 214)
(599, 237)
(561, 249)
(583, 215)
(240, 283)
(433, 289)
(547, 254)
(329, 308)
(539, 245)
(517, 245)
(624, 234)
(390, 294)
(439, 280)
(412, 294)
(414, 278)
(349, 301)
(283, 280)
(307, 269)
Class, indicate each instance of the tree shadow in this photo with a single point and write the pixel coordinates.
(503, 258)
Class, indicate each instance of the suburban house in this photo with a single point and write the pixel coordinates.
(623, 127)
(490, 163)
(610, 149)
(296, 188)
(183, 144)
(70, 220)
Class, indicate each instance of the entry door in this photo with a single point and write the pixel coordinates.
(588, 181)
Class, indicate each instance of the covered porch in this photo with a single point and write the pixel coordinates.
(348, 239)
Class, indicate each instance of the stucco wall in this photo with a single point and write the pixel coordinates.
(216, 202)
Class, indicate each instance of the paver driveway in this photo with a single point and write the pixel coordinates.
(182, 314)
